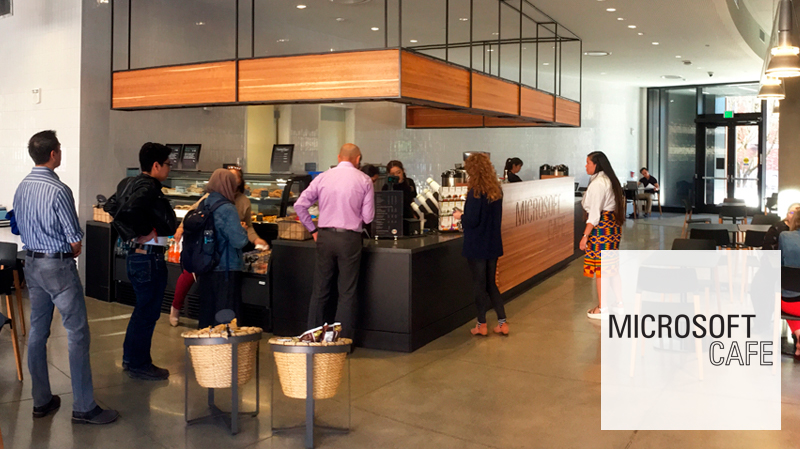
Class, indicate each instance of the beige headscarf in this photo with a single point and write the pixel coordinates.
(224, 182)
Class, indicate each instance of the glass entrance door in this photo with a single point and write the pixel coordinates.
(729, 161)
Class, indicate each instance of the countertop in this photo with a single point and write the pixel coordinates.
(403, 245)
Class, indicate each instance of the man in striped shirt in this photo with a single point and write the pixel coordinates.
(51, 234)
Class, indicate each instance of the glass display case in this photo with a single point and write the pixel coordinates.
(271, 195)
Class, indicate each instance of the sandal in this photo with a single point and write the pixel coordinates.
(597, 313)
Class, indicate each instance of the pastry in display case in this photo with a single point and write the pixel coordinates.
(271, 195)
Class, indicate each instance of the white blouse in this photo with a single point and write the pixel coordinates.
(599, 197)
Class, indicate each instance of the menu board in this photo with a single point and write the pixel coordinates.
(175, 154)
(282, 158)
(191, 154)
(388, 214)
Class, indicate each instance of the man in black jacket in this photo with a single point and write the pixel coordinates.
(144, 218)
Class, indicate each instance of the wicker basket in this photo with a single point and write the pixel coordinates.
(328, 370)
(289, 229)
(212, 364)
(101, 215)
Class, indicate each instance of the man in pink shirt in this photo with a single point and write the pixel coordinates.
(346, 201)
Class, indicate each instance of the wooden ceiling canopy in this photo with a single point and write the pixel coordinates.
(439, 94)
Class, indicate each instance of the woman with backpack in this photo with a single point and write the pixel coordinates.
(221, 288)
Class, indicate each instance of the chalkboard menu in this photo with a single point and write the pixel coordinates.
(282, 158)
(175, 154)
(191, 154)
(388, 214)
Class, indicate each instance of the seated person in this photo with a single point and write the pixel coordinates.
(650, 185)
(771, 239)
(403, 183)
(789, 244)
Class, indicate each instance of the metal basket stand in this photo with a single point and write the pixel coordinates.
(309, 351)
(231, 418)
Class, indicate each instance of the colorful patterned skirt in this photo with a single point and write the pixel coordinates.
(605, 236)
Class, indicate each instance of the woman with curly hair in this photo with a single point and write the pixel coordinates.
(483, 243)
(604, 202)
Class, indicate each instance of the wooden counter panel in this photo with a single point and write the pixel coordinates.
(335, 76)
(175, 86)
(427, 79)
(422, 117)
(538, 229)
(568, 112)
(536, 104)
(492, 94)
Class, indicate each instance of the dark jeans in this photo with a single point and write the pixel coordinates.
(338, 261)
(484, 275)
(219, 290)
(55, 283)
(148, 275)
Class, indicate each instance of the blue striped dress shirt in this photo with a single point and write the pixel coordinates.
(45, 211)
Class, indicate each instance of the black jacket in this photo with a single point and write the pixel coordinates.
(512, 177)
(482, 221)
(139, 206)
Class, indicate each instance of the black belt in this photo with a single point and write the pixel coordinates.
(137, 248)
(61, 256)
(340, 230)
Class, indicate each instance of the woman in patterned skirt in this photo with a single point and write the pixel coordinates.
(604, 202)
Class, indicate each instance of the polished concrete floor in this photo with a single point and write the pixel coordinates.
(538, 388)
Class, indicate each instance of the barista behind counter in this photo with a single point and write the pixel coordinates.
(406, 185)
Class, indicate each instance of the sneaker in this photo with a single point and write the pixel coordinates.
(50, 407)
(501, 329)
(151, 372)
(174, 316)
(96, 416)
(480, 329)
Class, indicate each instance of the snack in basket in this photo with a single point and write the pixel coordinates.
(312, 335)
(222, 331)
(332, 332)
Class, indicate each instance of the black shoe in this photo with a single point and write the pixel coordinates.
(96, 416)
(631, 216)
(53, 405)
(125, 366)
(151, 372)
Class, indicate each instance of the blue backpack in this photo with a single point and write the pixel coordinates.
(199, 254)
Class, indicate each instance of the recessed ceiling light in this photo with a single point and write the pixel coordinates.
(301, 6)
(641, 34)
(495, 34)
(671, 77)
(463, 19)
(340, 19)
(596, 53)
(546, 63)
(632, 26)
(677, 56)
(374, 28)
(611, 9)
(490, 49)
(620, 18)
(413, 41)
(655, 43)
(199, 23)
(331, 49)
(602, 73)
(282, 40)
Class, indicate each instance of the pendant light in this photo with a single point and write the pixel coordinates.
(785, 61)
(771, 89)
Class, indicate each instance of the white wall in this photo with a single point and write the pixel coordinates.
(40, 47)
(612, 123)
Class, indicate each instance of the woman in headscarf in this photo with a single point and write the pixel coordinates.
(222, 288)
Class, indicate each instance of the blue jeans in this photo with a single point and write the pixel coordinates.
(54, 282)
(148, 275)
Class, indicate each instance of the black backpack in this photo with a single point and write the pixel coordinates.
(199, 254)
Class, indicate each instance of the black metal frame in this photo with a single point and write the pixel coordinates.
(309, 425)
(233, 416)
(561, 35)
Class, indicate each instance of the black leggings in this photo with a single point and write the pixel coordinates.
(483, 275)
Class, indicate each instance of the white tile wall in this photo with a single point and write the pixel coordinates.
(611, 123)
(40, 49)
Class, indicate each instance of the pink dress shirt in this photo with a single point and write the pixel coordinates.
(346, 199)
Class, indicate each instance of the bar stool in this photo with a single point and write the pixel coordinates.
(8, 264)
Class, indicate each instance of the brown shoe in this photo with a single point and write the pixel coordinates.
(501, 329)
(480, 329)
